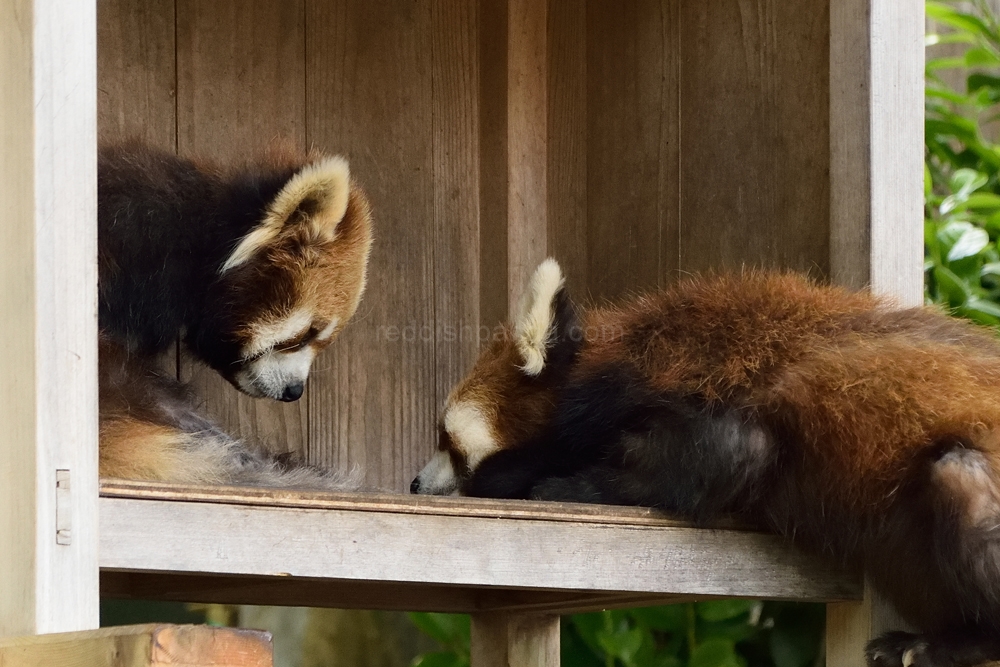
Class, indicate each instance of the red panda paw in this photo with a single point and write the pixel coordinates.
(897, 649)
(904, 649)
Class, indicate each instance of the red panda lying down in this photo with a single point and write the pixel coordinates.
(257, 267)
(861, 431)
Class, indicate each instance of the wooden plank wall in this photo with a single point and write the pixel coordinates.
(670, 137)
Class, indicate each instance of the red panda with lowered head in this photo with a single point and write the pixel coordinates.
(861, 431)
(256, 266)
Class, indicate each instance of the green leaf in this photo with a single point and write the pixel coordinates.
(969, 244)
(623, 645)
(959, 20)
(668, 618)
(965, 181)
(715, 653)
(439, 659)
(446, 629)
(952, 288)
(981, 57)
(721, 610)
(983, 200)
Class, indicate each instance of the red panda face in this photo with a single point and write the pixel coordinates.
(290, 285)
(510, 394)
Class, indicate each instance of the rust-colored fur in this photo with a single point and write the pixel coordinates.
(860, 430)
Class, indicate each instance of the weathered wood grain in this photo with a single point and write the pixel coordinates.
(754, 113)
(197, 537)
(388, 84)
(48, 323)
(633, 144)
(240, 85)
(142, 646)
(527, 142)
(515, 640)
(876, 160)
(136, 74)
(567, 166)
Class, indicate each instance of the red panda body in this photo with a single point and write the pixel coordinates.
(255, 267)
(863, 432)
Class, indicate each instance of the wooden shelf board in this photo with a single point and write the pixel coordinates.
(219, 544)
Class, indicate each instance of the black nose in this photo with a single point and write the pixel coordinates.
(293, 392)
(415, 485)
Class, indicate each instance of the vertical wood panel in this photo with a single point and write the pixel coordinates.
(755, 144)
(240, 85)
(48, 315)
(567, 143)
(633, 135)
(876, 169)
(136, 77)
(527, 141)
(493, 158)
(370, 79)
(455, 81)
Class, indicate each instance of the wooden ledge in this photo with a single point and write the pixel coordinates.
(258, 546)
(395, 503)
(142, 646)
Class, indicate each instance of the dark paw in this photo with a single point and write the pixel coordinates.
(898, 649)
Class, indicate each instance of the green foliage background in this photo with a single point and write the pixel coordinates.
(962, 272)
(961, 183)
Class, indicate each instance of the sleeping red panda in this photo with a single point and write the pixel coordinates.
(256, 267)
(864, 432)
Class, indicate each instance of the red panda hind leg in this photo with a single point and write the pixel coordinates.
(963, 494)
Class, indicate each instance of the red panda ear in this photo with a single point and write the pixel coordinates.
(537, 323)
(317, 196)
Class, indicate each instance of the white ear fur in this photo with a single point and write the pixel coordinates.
(536, 317)
(328, 181)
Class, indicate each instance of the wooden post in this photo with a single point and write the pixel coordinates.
(876, 186)
(515, 640)
(876, 140)
(48, 317)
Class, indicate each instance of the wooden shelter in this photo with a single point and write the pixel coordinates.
(633, 140)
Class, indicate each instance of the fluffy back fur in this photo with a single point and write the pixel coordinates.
(862, 431)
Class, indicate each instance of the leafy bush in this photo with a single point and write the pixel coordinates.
(961, 183)
(717, 633)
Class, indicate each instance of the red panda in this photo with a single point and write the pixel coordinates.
(864, 432)
(256, 267)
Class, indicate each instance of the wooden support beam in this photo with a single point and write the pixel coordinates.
(545, 546)
(142, 646)
(851, 625)
(876, 185)
(48, 317)
(876, 147)
(515, 640)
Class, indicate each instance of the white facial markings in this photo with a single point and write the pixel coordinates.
(325, 334)
(272, 372)
(438, 476)
(470, 431)
(270, 334)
